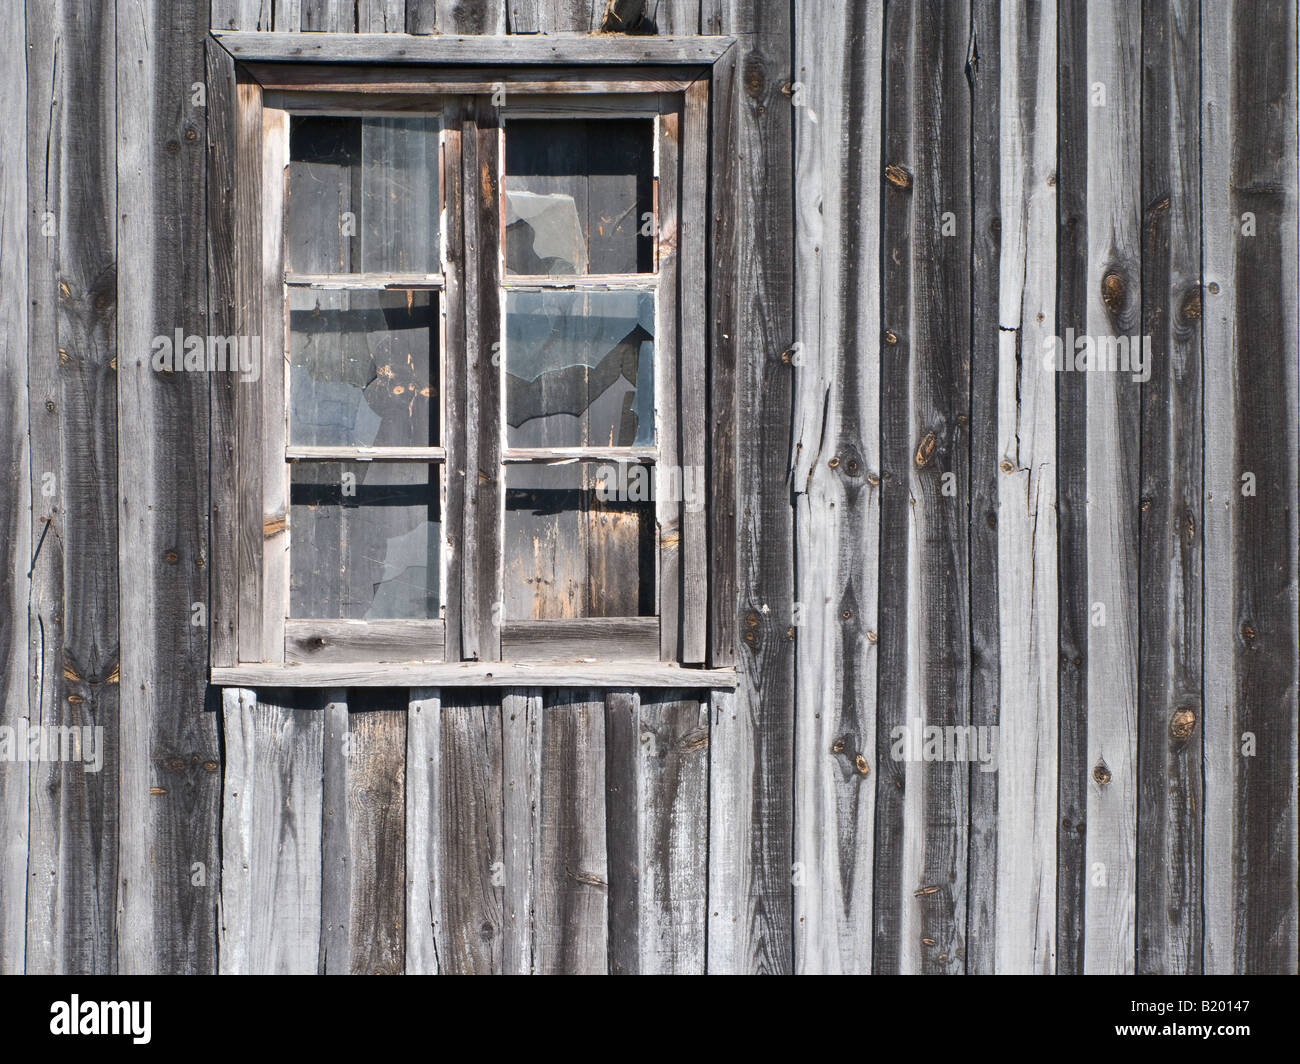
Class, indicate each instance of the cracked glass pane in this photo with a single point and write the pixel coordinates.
(361, 371)
(364, 541)
(579, 196)
(579, 369)
(363, 195)
(579, 541)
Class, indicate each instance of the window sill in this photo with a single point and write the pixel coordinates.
(474, 674)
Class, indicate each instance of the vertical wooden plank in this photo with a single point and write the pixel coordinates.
(924, 540)
(984, 69)
(521, 723)
(674, 17)
(471, 818)
(71, 383)
(170, 784)
(570, 934)
(376, 795)
(1249, 174)
(693, 371)
(554, 16)
(1170, 712)
(249, 291)
(15, 522)
(1026, 747)
(223, 229)
(329, 16)
(722, 450)
(381, 16)
(836, 479)
(480, 620)
(1114, 132)
(656, 791)
(270, 902)
(750, 901)
(423, 832)
(336, 835)
(275, 475)
(241, 14)
(1072, 281)
(672, 369)
(460, 16)
(288, 15)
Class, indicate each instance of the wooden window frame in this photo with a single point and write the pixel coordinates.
(251, 630)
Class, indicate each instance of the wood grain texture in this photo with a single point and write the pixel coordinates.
(1249, 166)
(521, 747)
(271, 871)
(751, 895)
(72, 608)
(656, 819)
(486, 17)
(1027, 565)
(571, 884)
(924, 540)
(1170, 710)
(375, 760)
(984, 69)
(471, 825)
(390, 48)
(1072, 280)
(423, 831)
(15, 517)
(1113, 400)
(170, 786)
(836, 480)
(245, 14)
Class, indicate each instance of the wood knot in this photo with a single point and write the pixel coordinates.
(860, 763)
(925, 450)
(1101, 774)
(837, 747)
(1112, 292)
(1182, 724)
(898, 176)
(891, 337)
(1191, 308)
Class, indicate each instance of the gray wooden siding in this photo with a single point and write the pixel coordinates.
(907, 201)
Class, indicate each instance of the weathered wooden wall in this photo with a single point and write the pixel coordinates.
(907, 201)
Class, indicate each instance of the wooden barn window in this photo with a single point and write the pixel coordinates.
(479, 431)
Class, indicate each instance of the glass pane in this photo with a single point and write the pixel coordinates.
(578, 195)
(363, 195)
(579, 369)
(364, 541)
(362, 369)
(579, 541)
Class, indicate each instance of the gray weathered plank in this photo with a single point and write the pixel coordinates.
(270, 901)
(376, 794)
(554, 16)
(984, 70)
(423, 832)
(521, 727)
(170, 786)
(750, 899)
(73, 587)
(481, 592)
(1114, 187)
(241, 14)
(836, 478)
(1072, 279)
(1170, 711)
(471, 826)
(571, 884)
(469, 17)
(1026, 749)
(437, 48)
(335, 839)
(656, 795)
(328, 16)
(15, 515)
(382, 16)
(1250, 641)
